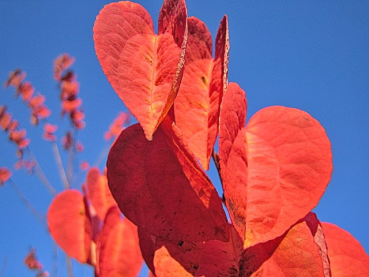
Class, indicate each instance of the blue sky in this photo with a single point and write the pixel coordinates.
(311, 55)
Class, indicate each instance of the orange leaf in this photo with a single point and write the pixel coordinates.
(5, 175)
(232, 120)
(162, 189)
(70, 225)
(347, 256)
(144, 69)
(293, 254)
(118, 248)
(99, 193)
(203, 84)
(277, 170)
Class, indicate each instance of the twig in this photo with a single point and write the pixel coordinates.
(27, 203)
(102, 155)
(59, 164)
(69, 265)
(41, 175)
(4, 266)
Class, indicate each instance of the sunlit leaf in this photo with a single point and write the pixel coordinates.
(69, 224)
(232, 120)
(277, 170)
(144, 69)
(203, 84)
(99, 193)
(347, 256)
(118, 248)
(293, 254)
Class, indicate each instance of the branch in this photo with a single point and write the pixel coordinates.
(60, 166)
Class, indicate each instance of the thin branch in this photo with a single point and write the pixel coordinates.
(27, 203)
(59, 164)
(102, 155)
(4, 266)
(69, 265)
(41, 175)
(55, 262)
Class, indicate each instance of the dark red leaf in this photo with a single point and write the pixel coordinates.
(144, 69)
(347, 256)
(70, 225)
(210, 258)
(162, 189)
(277, 170)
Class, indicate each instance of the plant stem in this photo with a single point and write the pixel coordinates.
(41, 175)
(102, 155)
(4, 266)
(60, 166)
(69, 265)
(27, 203)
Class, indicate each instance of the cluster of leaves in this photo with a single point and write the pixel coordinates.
(274, 170)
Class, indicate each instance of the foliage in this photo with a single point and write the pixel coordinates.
(273, 170)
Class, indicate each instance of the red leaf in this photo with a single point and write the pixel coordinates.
(99, 193)
(118, 248)
(293, 254)
(317, 231)
(346, 255)
(144, 69)
(70, 225)
(162, 189)
(277, 171)
(210, 258)
(232, 120)
(203, 84)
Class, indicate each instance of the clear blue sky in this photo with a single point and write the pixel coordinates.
(311, 55)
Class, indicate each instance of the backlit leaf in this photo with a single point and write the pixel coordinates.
(162, 189)
(347, 256)
(70, 225)
(118, 248)
(203, 84)
(277, 170)
(293, 254)
(144, 69)
(232, 120)
(99, 193)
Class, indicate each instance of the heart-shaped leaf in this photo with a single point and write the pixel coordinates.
(144, 69)
(162, 189)
(118, 248)
(99, 192)
(277, 170)
(203, 84)
(70, 225)
(347, 256)
(293, 254)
